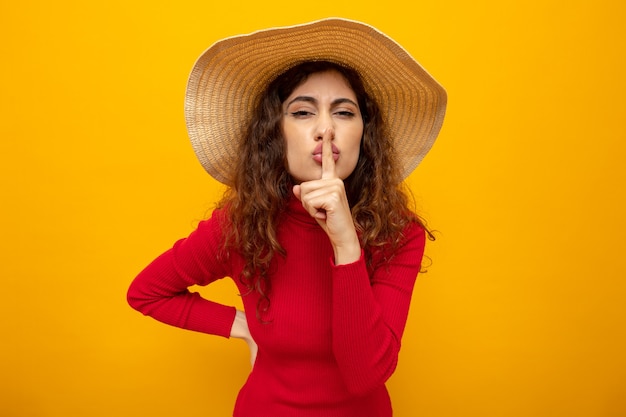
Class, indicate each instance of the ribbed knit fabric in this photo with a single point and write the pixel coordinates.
(331, 336)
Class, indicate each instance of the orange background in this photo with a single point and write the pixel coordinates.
(522, 312)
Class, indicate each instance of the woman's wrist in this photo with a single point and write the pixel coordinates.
(239, 329)
(347, 254)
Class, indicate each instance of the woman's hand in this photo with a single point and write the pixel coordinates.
(240, 330)
(326, 201)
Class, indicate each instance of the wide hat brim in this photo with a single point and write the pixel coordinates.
(228, 78)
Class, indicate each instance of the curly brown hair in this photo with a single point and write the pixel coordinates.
(261, 183)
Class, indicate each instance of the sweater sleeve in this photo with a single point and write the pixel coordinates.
(161, 289)
(369, 316)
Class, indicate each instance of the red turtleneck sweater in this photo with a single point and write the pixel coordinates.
(332, 334)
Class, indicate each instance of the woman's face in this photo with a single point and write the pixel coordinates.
(324, 102)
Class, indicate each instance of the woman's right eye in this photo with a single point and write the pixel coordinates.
(301, 113)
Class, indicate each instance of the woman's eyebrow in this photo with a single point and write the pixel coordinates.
(344, 100)
(307, 99)
(313, 100)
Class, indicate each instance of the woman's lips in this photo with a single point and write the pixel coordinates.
(317, 157)
(317, 153)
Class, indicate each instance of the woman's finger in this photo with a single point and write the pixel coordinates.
(328, 160)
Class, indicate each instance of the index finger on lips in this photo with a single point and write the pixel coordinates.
(328, 161)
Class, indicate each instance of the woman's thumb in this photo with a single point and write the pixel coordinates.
(296, 191)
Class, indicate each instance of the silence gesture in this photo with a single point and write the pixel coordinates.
(326, 201)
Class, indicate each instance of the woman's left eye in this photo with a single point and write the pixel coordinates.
(345, 113)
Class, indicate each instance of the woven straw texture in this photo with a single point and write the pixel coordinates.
(227, 80)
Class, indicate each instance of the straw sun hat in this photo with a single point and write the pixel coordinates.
(228, 78)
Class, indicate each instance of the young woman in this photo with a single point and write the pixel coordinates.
(313, 128)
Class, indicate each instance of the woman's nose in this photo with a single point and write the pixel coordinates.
(325, 124)
(329, 131)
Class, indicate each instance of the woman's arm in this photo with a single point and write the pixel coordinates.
(369, 313)
(161, 289)
(369, 319)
